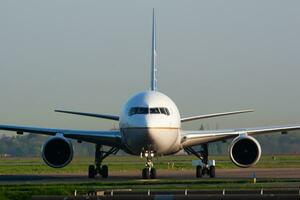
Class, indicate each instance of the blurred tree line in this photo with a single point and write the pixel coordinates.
(272, 143)
(30, 145)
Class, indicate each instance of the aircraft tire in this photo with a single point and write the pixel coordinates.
(92, 171)
(145, 173)
(104, 171)
(199, 171)
(153, 173)
(212, 172)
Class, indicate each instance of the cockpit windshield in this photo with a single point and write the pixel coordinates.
(154, 111)
(146, 110)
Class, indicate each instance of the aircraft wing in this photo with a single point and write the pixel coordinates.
(186, 119)
(110, 138)
(111, 117)
(191, 138)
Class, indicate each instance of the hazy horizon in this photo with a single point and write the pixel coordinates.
(91, 56)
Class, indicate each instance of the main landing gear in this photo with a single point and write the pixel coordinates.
(149, 171)
(203, 165)
(100, 155)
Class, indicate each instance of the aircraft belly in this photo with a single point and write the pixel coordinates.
(162, 141)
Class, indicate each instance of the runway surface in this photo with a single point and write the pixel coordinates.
(216, 194)
(197, 195)
(161, 174)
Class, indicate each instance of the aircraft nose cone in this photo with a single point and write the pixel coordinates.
(159, 140)
(163, 139)
(139, 121)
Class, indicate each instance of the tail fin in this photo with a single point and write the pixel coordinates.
(153, 56)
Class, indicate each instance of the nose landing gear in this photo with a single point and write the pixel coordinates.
(100, 155)
(149, 171)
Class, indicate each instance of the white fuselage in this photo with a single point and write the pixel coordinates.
(150, 121)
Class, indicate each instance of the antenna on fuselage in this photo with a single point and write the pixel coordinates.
(153, 56)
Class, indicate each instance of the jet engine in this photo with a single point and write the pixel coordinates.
(57, 152)
(245, 151)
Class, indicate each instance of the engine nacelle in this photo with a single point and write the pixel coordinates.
(245, 151)
(57, 152)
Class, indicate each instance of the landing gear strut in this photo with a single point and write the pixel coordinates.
(204, 166)
(149, 171)
(100, 155)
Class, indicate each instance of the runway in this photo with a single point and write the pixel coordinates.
(188, 195)
(276, 183)
(161, 174)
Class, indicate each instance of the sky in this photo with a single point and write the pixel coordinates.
(91, 56)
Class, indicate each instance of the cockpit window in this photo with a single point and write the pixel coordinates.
(164, 111)
(154, 111)
(167, 111)
(138, 110)
(132, 111)
(146, 110)
(142, 110)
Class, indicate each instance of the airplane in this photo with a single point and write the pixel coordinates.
(150, 126)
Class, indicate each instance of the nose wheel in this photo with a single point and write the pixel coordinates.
(149, 172)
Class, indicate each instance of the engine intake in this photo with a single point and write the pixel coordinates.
(245, 151)
(57, 152)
